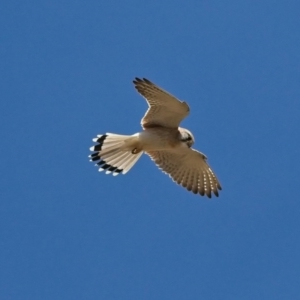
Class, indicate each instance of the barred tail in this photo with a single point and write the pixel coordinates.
(115, 153)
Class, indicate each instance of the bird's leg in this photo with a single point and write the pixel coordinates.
(135, 151)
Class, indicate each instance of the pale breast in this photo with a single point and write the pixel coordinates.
(159, 139)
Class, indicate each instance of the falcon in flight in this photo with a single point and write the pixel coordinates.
(167, 144)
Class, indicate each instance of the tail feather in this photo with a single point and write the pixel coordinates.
(109, 150)
(114, 154)
(118, 158)
(128, 162)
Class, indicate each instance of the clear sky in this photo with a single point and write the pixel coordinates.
(70, 232)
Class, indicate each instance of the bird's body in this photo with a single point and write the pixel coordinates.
(168, 145)
(158, 139)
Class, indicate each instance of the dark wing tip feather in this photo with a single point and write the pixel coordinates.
(216, 193)
(147, 81)
(137, 81)
(201, 192)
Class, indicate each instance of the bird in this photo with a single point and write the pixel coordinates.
(167, 144)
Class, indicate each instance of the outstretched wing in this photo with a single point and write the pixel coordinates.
(188, 168)
(164, 109)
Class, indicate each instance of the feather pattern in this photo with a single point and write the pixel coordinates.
(164, 109)
(188, 168)
(167, 144)
(114, 154)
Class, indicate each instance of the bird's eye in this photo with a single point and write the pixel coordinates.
(186, 137)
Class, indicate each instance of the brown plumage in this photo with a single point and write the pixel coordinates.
(168, 145)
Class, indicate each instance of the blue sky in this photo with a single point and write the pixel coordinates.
(70, 232)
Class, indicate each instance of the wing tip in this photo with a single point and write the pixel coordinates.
(138, 81)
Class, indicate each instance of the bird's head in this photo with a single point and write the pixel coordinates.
(186, 136)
